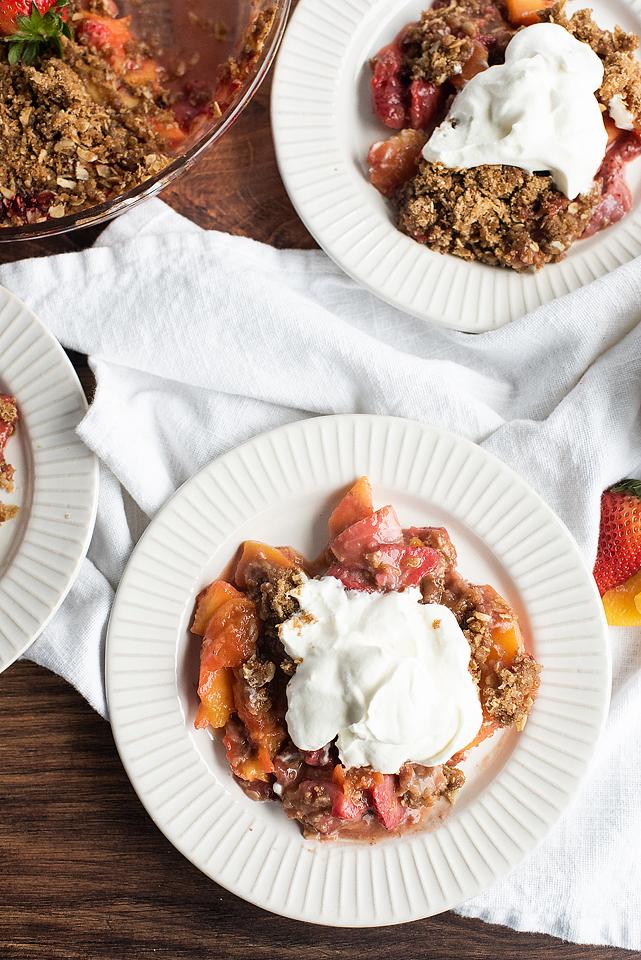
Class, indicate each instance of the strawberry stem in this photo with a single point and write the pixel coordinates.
(627, 486)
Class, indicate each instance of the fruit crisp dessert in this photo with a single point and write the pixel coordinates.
(514, 126)
(351, 689)
(8, 424)
(87, 110)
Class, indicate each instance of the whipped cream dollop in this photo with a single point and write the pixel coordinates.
(383, 672)
(536, 111)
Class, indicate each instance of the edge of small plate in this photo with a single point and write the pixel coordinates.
(420, 874)
(59, 521)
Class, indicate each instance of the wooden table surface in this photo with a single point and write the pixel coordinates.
(84, 873)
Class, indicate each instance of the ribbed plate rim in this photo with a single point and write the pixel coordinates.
(59, 519)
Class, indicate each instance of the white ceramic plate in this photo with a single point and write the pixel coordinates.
(279, 488)
(323, 127)
(56, 481)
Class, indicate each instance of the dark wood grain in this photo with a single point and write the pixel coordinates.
(84, 873)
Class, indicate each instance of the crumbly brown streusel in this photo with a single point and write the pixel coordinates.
(236, 69)
(506, 692)
(67, 141)
(440, 44)
(499, 215)
(616, 48)
(7, 512)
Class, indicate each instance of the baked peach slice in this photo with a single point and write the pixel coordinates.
(523, 13)
(208, 601)
(217, 699)
(622, 604)
(254, 554)
(228, 623)
(355, 505)
(507, 642)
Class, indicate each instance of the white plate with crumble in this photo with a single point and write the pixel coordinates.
(324, 125)
(281, 488)
(48, 478)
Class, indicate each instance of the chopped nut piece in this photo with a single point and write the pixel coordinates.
(87, 155)
(65, 145)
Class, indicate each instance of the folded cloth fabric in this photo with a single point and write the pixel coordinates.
(200, 340)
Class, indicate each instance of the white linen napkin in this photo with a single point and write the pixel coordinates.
(200, 340)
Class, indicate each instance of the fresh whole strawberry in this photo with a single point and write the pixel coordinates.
(32, 27)
(619, 550)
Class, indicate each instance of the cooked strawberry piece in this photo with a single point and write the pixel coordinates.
(355, 505)
(416, 563)
(391, 163)
(6, 429)
(389, 809)
(10, 10)
(372, 555)
(288, 764)
(426, 100)
(347, 808)
(317, 758)
(616, 198)
(395, 566)
(367, 536)
(344, 808)
(630, 146)
(351, 579)
(614, 204)
(388, 91)
(107, 35)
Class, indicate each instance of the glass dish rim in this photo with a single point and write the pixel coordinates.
(104, 212)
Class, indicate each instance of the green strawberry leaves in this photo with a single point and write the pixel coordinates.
(627, 486)
(38, 33)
